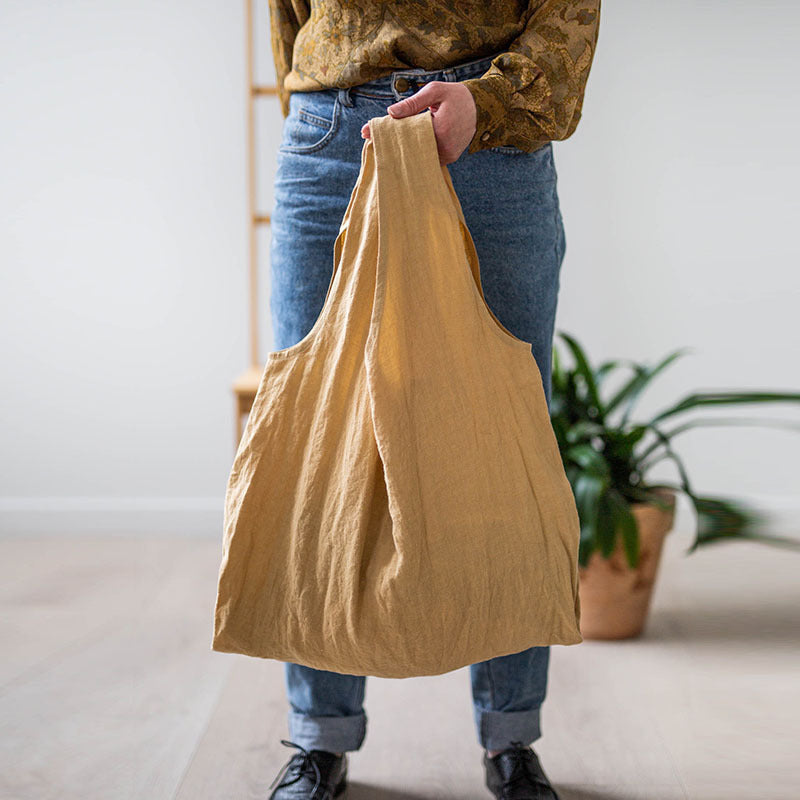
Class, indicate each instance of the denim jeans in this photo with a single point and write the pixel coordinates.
(510, 202)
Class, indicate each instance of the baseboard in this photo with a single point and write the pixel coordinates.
(203, 516)
(111, 516)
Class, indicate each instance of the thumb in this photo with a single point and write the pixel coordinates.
(415, 103)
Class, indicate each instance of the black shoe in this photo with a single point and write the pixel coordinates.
(310, 775)
(516, 774)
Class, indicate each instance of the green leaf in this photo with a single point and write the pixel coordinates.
(606, 526)
(588, 489)
(644, 376)
(606, 369)
(585, 430)
(588, 458)
(630, 537)
(701, 399)
(650, 494)
(710, 422)
(625, 523)
(585, 371)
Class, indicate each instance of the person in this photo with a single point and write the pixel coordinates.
(502, 80)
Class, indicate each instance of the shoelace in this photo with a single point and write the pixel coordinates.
(520, 771)
(306, 766)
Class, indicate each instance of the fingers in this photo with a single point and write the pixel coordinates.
(428, 95)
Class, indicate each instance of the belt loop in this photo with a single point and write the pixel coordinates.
(345, 98)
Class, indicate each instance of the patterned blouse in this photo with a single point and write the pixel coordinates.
(531, 94)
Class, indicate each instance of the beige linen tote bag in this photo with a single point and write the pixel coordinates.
(398, 505)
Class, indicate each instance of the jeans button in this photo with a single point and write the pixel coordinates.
(401, 84)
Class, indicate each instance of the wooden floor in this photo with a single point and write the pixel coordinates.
(110, 690)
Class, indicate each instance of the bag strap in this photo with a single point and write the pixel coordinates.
(407, 157)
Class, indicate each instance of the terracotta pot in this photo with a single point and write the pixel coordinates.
(614, 598)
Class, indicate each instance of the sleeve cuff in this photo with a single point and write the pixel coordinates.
(492, 98)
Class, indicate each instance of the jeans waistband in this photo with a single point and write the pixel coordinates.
(404, 82)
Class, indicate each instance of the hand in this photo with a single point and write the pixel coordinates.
(454, 116)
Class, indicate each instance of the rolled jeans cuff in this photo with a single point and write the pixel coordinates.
(497, 729)
(332, 733)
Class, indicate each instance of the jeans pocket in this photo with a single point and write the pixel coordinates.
(312, 121)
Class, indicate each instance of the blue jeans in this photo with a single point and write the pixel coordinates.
(511, 206)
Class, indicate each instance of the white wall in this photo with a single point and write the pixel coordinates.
(123, 242)
(679, 194)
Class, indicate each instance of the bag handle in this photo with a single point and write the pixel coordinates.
(410, 157)
(406, 154)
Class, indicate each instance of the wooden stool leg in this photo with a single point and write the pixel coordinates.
(238, 421)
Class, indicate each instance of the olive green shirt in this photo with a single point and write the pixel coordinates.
(531, 94)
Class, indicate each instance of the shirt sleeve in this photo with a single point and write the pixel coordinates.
(286, 17)
(533, 93)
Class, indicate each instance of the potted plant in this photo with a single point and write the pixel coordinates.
(624, 517)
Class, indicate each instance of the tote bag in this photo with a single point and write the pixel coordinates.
(397, 505)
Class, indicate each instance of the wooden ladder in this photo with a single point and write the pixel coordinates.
(246, 385)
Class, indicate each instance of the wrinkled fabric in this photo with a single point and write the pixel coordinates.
(398, 505)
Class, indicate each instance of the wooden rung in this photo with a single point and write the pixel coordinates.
(260, 91)
(262, 219)
(248, 381)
